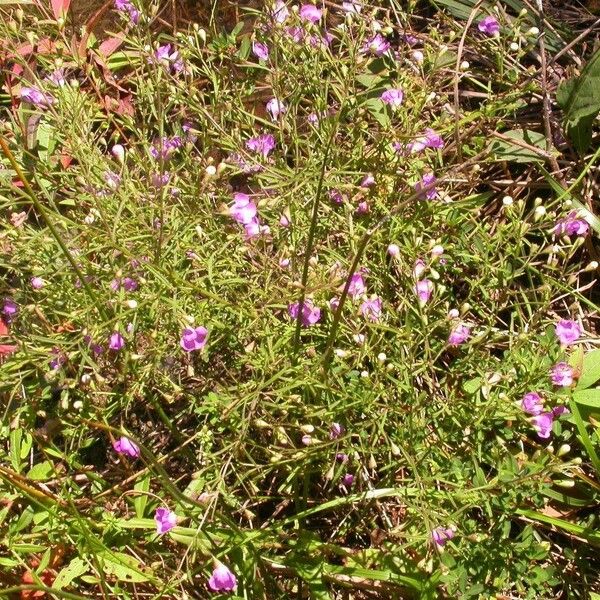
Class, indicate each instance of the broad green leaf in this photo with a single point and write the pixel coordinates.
(42, 471)
(124, 567)
(584, 437)
(504, 150)
(471, 386)
(378, 109)
(590, 398)
(590, 372)
(76, 568)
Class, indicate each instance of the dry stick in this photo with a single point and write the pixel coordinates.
(326, 361)
(461, 46)
(42, 212)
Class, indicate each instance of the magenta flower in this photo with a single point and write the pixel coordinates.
(362, 208)
(57, 77)
(261, 144)
(125, 6)
(357, 286)
(440, 535)
(169, 57)
(560, 410)
(10, 309)
(125, 446)
(336, 196)
(377, 45)
(165, 520)
(260, 50)
(542, 423)
(348, 480)
(243, 210)
(310, 313)
(562, 374)
(370, 309)
(428, 179)
(489, 25)
(532, 403)
(567, 332)
(193, 339)
(296, 33)
(280, 11)
(284, 220)
(309, 12)
(571, 225)
(166, 147)
(430, 139)
(116, 341)
(222, 579)
(393, 97)
(126, 283)
(424, 289)
(460, 333)
(367, 181)
(335, 430)
(276, 108)
(37, 283)
(36, 97)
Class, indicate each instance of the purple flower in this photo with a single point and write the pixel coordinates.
(166, 147)
(276, 108)
(335, 430)
(57, 77)
(489, 25)
(393, 97)
(367, 181)
(125, 446)
(567, 332)
(309, 12)
(159, 180)
(280, 11)
(284, 220)
(310, 313)
(254, 228)
(334, 303)
(430, 139)
(393, 250)
(542, 423)
(571, 225)
(165, 520)
(560, 410)
(169, 57)
(243, 210)
(532, 403)
(370, 309)
(222, 579)
(353, 7)
(116, 341)
(336, 196)
(428, 179)
(36, 97)
(58, 360)
(424, 289)
(362, 208)
(37, 283)
(440, 535)
(377, 45)
(296, 33)
(193, 339)
(261, 144)
(9, 309)
(341, 457)
(260, 50)
(127, 283)
(348, 480)
(357, 286)
(125, 6)
(460, 333)
(562, 374)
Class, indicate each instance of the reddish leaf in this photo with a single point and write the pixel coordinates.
(65, 160)
(60, 7)
(6, 349)
(3, 328)
(107, 47)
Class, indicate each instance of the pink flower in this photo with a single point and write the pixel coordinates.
(370, 309)
(562, 374)
(428, 179)
(280, 11)
(459, 334)
(125, 446)
(116, 341)
(393, 97)
(260, 50)
(367, 181)
(261, 144)
(165, 520)
(194, 339)
(309, 12)
(37, 283)
(424, 289)
(393, 250)
(542, 423)
(348, 480)
(571, 225)
(243, 210)
(335, 430)
(276, 108)
(284, 221)
(560, 410)
(567, 332)
(357, 286)
(36, 97)
(310, 314)
(336, 196)
(352, 7)
(377, 45)
(440, 535)
(362, 208)
(489, 25)
(222, 579)
(532, 403)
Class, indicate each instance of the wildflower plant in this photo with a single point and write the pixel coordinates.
(292, 307)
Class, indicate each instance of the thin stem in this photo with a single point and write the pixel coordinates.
(39, 207)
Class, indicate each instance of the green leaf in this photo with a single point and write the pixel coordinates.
(473, 385)
(504, 150)
(123, 567)
(590, 372)
(140, 502)
(590, 398)
(42, 471)
(583, 436)
(378, 110)
(76, 568)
